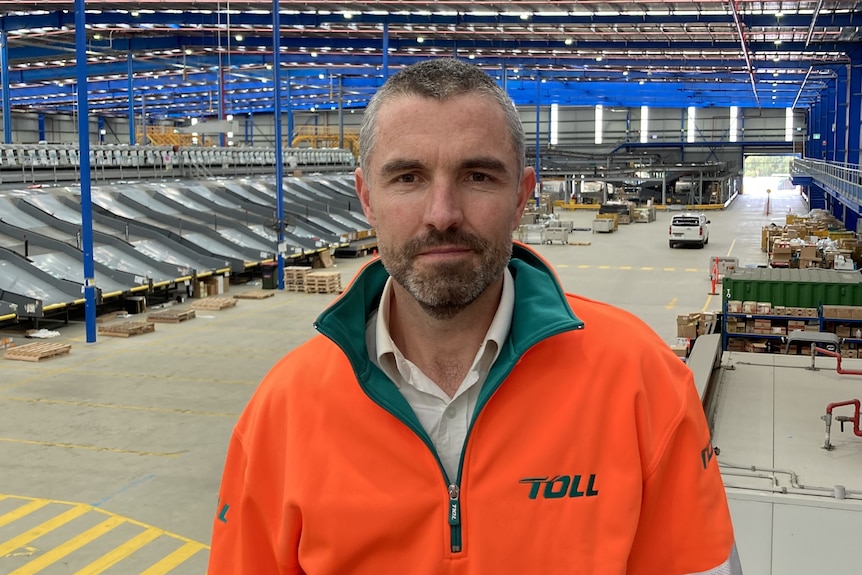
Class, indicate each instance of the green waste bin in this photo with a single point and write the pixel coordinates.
(270, 276)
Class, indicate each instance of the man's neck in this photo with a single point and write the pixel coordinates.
(444, 349)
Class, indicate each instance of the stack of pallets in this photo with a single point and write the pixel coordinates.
(323, 282)
(294, 277)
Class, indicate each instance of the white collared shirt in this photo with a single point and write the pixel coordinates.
(445, 419)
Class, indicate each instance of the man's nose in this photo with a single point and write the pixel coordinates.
(444, 208)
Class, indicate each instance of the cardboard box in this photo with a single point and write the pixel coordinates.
(808, 253)
(679, 350)
(749, 307)
(763, 308)
(830, 311)
(688, 331)
(199, 289)
(734, 306)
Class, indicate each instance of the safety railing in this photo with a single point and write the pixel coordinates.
(843, 179)
(36, 163)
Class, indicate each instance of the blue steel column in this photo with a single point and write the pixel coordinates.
(4, 65)
(813, 128)
(279, 152)
(825, 130)
(84, 155)
(841, 115)
(41, 124)
(385, 51)
(538, 134)
(831, 112)
(221, 96)
(289, 109)
(854, 120)
(131, 74)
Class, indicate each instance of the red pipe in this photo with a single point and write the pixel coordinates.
(854, 402)
(837, 356)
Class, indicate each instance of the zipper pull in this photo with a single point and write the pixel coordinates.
(454, 505)
(455, 517)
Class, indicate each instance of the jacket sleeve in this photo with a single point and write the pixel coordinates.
(684, 526)
(243, 541)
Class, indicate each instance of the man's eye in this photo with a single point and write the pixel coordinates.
(407, 178)
(478, 177)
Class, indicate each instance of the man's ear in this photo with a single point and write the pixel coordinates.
(525, 193)
(362, 191)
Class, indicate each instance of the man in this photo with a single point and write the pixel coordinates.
(460, 413)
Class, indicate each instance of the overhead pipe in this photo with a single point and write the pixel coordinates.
(745, 53)
(813, 21)
(802, 87)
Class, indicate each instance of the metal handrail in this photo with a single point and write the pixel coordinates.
(843, 179)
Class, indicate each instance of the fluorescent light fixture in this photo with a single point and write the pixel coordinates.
(644, 124)
(691, 125)
(555, 120)
(734, 122)
(599, 113)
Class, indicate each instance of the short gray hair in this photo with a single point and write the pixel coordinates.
(441, 78)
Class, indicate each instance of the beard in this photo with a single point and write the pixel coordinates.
(445, 289)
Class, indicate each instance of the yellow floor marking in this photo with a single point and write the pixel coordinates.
(583, 267)
(669, 269)
(109, 514)
(625, 267)
(46, 527)
(647, 269)
(730, 249)
(692, 270)
(604, 267)
(117, 406)
(70, 546)
(706, 305)
(171, 561)
(672, 304)
(20, 512)
(119, 553)
(90, 447)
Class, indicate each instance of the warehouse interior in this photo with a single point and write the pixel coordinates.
(176, 181)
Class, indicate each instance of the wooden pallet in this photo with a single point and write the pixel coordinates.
(254, 294)
(294, 277)
(214, 303)
(127, 328)
(171, 315)
(323, 282)
(37, 351)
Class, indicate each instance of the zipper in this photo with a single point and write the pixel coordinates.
(455, 517)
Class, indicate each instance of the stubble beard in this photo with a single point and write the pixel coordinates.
(443, 290)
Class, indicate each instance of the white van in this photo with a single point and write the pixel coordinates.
(688, 228)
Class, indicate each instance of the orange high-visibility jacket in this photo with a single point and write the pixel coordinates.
(589, 454)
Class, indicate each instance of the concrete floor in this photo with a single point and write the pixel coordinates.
(112, 454)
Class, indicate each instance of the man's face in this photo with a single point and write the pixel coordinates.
(443, 191)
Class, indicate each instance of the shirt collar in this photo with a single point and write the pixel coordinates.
(497, 333)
